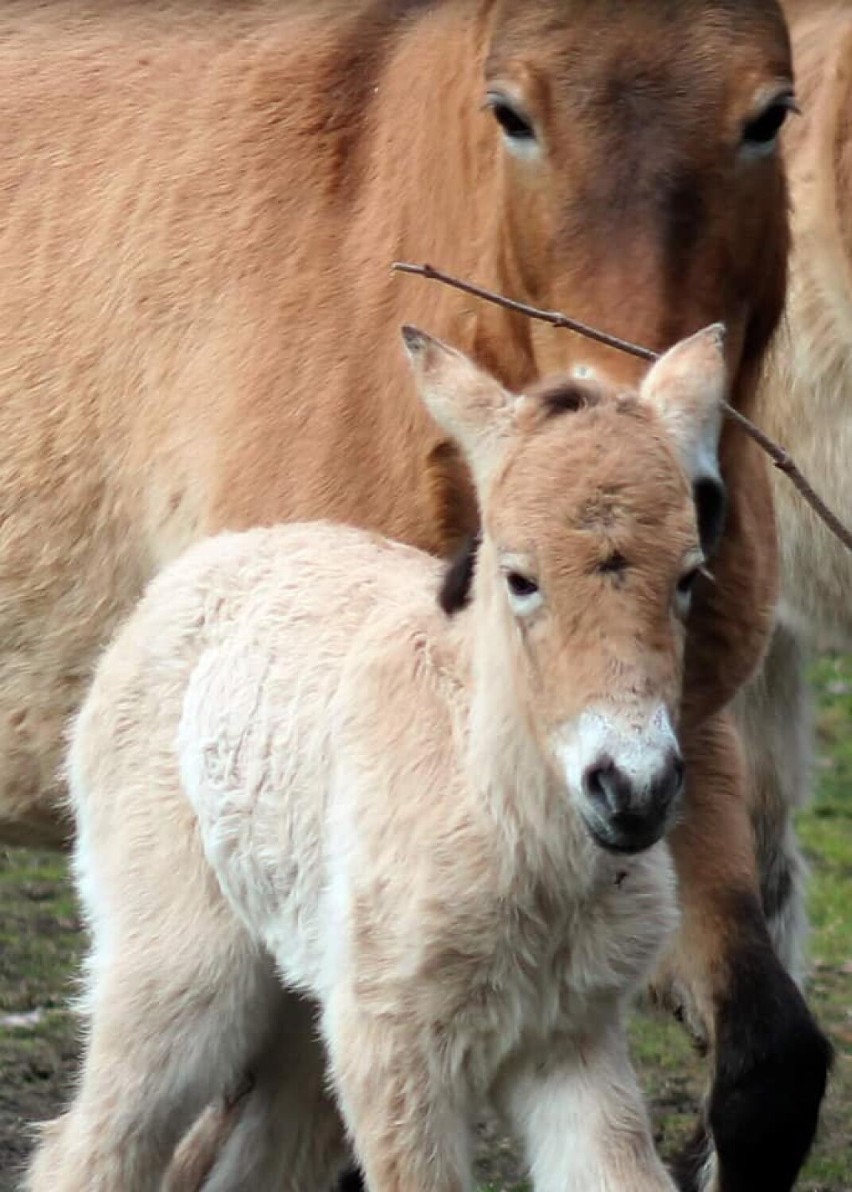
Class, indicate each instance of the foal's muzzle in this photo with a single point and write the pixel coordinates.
(626, 812)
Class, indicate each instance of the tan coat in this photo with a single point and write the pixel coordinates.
(442, 829)
(806, 404)
(199, 203)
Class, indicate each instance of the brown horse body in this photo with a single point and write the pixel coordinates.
(804, 402)
(199, 205)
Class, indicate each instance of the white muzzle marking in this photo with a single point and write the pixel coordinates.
(623, 772)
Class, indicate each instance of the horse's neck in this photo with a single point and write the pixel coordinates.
(531, 812)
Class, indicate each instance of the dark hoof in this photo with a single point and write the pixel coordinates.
(772, 1066)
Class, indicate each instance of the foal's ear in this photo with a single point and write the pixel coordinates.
(467, 402)
(688, 386)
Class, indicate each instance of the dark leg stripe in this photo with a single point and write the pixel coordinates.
(772, 1066)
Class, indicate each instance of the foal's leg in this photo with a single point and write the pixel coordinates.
(166, 1038)
(178, 996)
(581, 1116)
(288, 1135)
(410, 1131)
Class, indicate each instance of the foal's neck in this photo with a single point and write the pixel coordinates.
(510, 771)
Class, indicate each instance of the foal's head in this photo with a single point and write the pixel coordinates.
(598, 508)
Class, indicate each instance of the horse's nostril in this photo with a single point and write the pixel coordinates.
(628, 809)
(620, 796)
(607, 786)
(670, 783)
(593, 779)
(679, 770)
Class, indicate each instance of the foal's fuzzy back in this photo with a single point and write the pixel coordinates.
(306, 589)
(315, 584)
(339, 620)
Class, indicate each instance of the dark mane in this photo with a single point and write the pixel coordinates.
(711, 506)
(565, 397)
(455, 590)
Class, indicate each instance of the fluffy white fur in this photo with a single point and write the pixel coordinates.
(318, 828)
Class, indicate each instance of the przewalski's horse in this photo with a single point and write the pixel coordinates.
(198, 205)
(806, 402)
(435, 815)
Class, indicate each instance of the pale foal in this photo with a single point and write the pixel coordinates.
(383, 847)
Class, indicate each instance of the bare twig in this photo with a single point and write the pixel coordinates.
(780, 458)
(784, 463)
(533, 312)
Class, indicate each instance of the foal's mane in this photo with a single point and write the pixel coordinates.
(561, 396)
(457, 580)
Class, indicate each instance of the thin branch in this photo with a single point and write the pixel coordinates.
(783, 461)
(533, 312)
(780, 458)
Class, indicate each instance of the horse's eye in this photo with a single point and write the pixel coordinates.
(521, 586)
(761, 131)
(514, 123)
(687, 582)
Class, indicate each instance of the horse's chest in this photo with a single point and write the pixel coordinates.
(552, 971)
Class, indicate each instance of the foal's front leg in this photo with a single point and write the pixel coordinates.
(582, 1118)
(409, 1128)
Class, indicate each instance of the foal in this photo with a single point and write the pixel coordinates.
(385, 846)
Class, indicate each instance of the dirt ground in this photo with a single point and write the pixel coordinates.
(41, 942)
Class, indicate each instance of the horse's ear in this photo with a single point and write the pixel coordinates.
(687, 386)
(467, 402)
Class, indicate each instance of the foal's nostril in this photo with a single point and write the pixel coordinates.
(619, 796)
(628, 806)
(608, 786)
(668, 786)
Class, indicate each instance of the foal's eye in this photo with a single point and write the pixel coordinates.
(516, 126)
(686, 583)
(761, 132)
(521, 586)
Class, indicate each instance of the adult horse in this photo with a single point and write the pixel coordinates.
(198, 330)
(804, 402)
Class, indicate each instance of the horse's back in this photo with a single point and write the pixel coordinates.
(170, 209)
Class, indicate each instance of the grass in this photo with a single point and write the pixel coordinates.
(40, 944)
(826, 833)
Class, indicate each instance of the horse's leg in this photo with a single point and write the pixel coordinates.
(169, 1031)
(775, 715)
(409, 1131)
(581, 1115)
(770, 1059)
(288, 1135)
